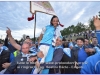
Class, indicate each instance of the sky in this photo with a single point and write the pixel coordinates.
(14, 14)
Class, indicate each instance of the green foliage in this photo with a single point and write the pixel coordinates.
(73, 29)
(78, 28)
(91, 24)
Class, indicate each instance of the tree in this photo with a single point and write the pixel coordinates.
(73, 29)
(91, 24)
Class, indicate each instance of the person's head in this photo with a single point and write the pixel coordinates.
(86, 41)
(58, 41)
(63, 39)
(25, 48)
(80, 42)
(94, 40)
(28, 41)
(65, 45)
(27, 37)
(54, 21)
(70, 40)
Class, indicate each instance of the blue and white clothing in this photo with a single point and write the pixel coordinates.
(27, 55)
(82, 55)
(98, 36)
(97, 49)
(51, 56)
(92, 65)
(3, 48)
(67, 51)
(71, 44)
(56, 35)
(33, 50)
(50, 34)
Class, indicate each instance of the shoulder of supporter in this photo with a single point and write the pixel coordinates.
(57, 53)
(91, 45)
(4, 48)
(58, 50)
(66, 49)
(19, 56)
(90, 64)
(75, 48)
(33, 48)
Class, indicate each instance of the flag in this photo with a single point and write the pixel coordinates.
(41, 6)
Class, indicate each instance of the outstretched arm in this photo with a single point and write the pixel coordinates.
(12, 41)
(40, 38)
(41, 35)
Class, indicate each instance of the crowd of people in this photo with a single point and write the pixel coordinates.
(52, 54)
(85, 34)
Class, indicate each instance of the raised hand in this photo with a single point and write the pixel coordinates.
(96, 22)
(8, 31)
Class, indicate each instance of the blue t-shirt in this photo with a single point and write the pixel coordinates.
(92, 65)
(98, 36)
(82, 55)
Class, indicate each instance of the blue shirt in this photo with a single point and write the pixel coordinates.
(98, 36)
(92, 65)
(48, 35)
(82, 55)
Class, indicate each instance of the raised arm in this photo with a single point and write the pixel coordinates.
(97, 26)
(6, 41)
(12, 41)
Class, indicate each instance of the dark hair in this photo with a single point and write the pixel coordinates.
(27, 36)
(65, 45)
(86, 38)
(94, 37)
(1, 42)
(64, 39)
(68, 40)
(80, 39)
(52, 19)
(71, 40)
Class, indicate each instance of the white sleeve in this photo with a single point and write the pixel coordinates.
(43, 30)
(58, 32)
